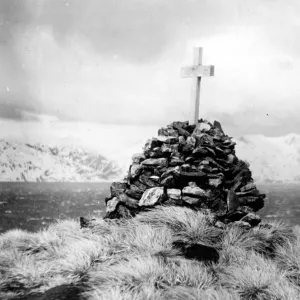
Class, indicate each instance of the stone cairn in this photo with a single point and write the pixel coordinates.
(191, 166)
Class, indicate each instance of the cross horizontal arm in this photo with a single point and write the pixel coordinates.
(197, 71)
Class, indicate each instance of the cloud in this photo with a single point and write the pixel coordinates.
(114, 61)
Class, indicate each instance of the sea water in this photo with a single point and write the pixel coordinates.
(32, 206)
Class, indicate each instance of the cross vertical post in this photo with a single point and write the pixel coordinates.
(195, 100)
(196, 72)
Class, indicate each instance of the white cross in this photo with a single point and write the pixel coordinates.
(196, 72)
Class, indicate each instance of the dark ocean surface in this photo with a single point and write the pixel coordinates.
(32, 206)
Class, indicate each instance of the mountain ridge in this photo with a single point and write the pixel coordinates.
(38, 162)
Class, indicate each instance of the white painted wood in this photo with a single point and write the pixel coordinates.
(196, 72)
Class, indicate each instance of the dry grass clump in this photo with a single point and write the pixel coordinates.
(137, 259)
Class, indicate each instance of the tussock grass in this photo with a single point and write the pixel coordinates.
(137, 259)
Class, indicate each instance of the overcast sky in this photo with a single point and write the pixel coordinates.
(118, 61)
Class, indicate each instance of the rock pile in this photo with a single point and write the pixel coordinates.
(193, 166)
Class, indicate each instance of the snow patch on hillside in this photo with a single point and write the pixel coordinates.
(271, 158)
(38, 162)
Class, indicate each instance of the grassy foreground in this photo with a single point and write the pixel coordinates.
(135, 259)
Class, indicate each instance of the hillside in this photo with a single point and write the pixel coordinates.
(271, 158)
(37, 162)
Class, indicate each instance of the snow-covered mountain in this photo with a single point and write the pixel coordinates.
(271, 158)
(37, 162)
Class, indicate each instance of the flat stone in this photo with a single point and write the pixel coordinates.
(112, 204)
(200, 151)
(232, 201)
(218, 126)
(252, 219)
(117, 188)
(204, 127)
(134, 192)
(191, 141)
(174, 194)
(151, 144)
(191, 200)
(151, 196)
(138, 158)
(194, 191)
(253, 192)
(248, 186)
(231, 158)
(176, 161)
(178, 124)
(140, 185)
(186, 167)
(168, 182)
(155, 153)
(155, 162)
(216, 182)
(168, 139)
(147, 181)
(192, 184)
(169, 148)
(181, 140)
(242, 224)
(155, 178)
(168, 132)
(128, 201)
(135, 170)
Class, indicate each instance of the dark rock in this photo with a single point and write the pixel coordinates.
(206, 254)
(247, 187)
(168, 182)
(140, 185)
(185, 167)
(187, 149)
(168, 132)
(151, 196)
(218, 126)
(192, 175)
(147, 181)
(232, 201)
(124, 212)
(176, 161)
(128, 201)
(117, 188)
(178, 124)
(151, 144)
(138, 158)
(135, 170)
(155, 162)
(169, 148)
(155, 153)
(134, 192)
(252, 219)
(190, 128)
(61, 292)
(192, 200)
(200, 151)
